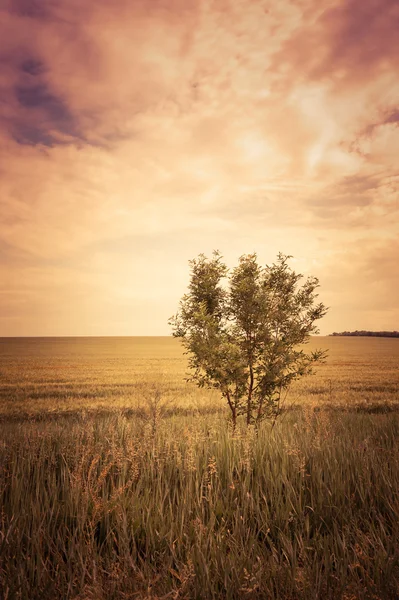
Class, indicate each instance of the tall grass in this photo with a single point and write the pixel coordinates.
(111, 507)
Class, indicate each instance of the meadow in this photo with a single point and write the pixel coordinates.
(120, 480)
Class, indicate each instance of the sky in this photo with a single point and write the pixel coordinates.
(136, 134)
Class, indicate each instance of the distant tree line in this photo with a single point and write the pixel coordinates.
(391, 334)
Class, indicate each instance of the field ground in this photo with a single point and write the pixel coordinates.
(104, 495)
(52, 375)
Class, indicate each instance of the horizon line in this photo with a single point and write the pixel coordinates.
(4, 337)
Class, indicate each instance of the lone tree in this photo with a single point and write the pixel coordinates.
(243, 329)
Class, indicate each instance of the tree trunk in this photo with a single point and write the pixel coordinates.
(233, 411)
(234, 420)
(249, 399)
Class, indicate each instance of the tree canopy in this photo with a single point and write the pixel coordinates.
(244, 330)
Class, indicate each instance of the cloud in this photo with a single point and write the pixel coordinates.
(366, 200)
(344, 43)
(45, 118)
(138, 134)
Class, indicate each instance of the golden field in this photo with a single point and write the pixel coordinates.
(118, 480)
(47, 375)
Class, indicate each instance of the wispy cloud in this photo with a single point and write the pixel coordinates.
(136, 134)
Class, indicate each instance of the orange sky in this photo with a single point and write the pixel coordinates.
(136, 134)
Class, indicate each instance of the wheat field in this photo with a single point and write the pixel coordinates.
(39, 376)
(120, 480)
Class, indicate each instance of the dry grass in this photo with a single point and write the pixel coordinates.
(131, 484)
(56, 375)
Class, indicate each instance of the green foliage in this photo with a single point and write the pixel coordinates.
(243, 335)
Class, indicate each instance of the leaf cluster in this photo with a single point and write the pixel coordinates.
(244, 330)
